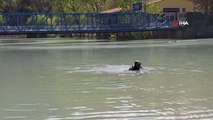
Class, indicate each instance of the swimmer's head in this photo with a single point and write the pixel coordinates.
(137, 61)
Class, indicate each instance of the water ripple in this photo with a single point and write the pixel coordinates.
(143, 114)
(15, 117)
(114, 114)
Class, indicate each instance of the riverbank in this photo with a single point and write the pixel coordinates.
(68, 41)
(34, 41)
(189, 32)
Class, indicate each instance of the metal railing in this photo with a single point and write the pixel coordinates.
(24, 23)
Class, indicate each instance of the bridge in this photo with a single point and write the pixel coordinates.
(62, 23)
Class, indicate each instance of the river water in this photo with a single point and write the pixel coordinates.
(66, 80)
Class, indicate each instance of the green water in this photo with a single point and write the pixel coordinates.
(89, 81)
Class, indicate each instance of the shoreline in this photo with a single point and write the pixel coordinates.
(43, 41)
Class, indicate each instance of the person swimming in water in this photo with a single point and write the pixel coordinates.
(137, 66)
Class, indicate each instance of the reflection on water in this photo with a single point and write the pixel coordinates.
(87, 81)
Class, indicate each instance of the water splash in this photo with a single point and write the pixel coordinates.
(111, 69)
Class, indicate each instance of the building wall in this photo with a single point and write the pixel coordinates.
(176, 4)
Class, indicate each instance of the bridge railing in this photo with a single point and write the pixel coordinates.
(22, 23)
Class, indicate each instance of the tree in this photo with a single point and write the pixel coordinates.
(205, 6)
(3, 5)
(154, 8)
(127, 4)
(41, 5)
(94, 6)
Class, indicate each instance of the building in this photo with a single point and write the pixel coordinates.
(187, 4)
(174, 9)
